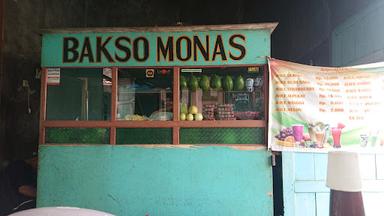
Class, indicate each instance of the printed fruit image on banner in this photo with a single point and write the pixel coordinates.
(317, 109)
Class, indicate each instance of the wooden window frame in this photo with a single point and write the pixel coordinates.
(174, 124)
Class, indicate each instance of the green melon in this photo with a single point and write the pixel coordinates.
(216, 82)
(228, 83)
(193, 83)
(204, 83)
(239, 83)
(183, 83)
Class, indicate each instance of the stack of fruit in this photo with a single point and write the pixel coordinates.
(246, 115)
(209, 111)
(225, 112)
(214, 82)
(193, 114)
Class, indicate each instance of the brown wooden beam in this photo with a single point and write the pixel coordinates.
(43, 105)
(176, 105)
(112, 130)
(77, 124)
(266, 101)
(176, 93)
(235, 146)
(157, 124)
(223, 124)
(176, 135)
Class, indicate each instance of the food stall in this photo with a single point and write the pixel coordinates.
(156, 121)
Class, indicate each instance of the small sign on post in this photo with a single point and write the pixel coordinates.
(53, 76)
(150, 73)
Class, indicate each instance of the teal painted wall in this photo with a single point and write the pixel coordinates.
(150, 180)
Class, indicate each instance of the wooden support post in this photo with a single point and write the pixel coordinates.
(176, 105)
(265, 95)
(43, 105)
(176, 94)
(112, 132)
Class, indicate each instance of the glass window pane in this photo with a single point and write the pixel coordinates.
(222, 135)
(144, 94)
(83, 94)
(232, 93)
(77, 135)
(144, 136)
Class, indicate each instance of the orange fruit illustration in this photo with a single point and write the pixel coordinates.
(289, 139)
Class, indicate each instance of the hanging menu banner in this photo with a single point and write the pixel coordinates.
(317, 109)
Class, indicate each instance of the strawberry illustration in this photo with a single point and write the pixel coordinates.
(340, 125)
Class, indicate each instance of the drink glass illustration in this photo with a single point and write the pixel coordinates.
(312, 132)
(374, 138)
(298, 130)
(336, 134)
(363, 140)
(320, 135)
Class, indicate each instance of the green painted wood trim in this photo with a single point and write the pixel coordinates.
(255, 42)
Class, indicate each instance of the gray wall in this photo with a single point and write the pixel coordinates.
(23, 20)
(305, 30)
(360, 39)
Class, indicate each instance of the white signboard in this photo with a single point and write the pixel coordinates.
(53, 76)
